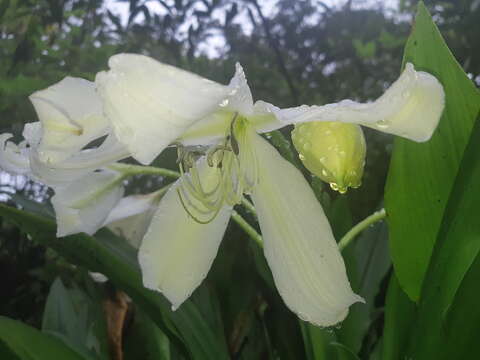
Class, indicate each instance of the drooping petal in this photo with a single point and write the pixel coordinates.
(83, 205)
(71, 116)
(13, 158)
(131, 217)
(78, 165)
(177, 252)
(151, 104)
(410, 108)
(301, 251)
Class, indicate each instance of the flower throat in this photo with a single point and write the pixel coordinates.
(218, 175)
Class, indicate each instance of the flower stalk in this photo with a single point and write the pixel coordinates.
(362, 225)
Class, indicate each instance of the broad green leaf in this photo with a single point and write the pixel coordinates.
(74, 317)
(317, 342)
(112, 256)
(421, 176)
(144, 339)
(448, 292)
(29, 343)
(400, 314)
(373, 261)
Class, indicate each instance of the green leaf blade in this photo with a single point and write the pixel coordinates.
(421, 176)
(29, 343)
(113, 257)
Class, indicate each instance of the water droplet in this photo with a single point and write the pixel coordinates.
(307, 146)
(323, 159)
(334, 186)
(223, 103)
(383, 124)
(324, 172)
(301, 157)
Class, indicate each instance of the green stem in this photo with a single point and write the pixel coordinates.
(362, 225)
(249, 206)
(130, 169)
(247, 228)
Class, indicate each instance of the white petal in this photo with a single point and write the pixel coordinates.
(215, 126)
(208, 130)
(177, 252)
(301, 251)
(410, 108)
(80, 164)
(241, 100)
(150, 104)
(83, 205)
(32, 132)
(71, 116)
(263, 119)
(13, 158)
(132, 216)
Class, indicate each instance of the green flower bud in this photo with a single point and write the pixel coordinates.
(333, 151)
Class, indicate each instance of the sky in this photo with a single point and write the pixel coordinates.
(213, 46)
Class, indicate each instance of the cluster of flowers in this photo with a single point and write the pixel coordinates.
(140, 106)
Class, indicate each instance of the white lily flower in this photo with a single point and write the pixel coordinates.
(54, 153)
(84, 204)
(148, 106)
(183, 238)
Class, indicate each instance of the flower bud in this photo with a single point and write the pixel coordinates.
(333, 151)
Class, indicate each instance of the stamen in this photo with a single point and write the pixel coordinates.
(235, 168)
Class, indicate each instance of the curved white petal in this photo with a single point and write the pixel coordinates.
(131, 217)
(410, 108)
(301, 251)
(83, 205)
(71, 116)
(150, 104)
(13, 158)
(78, 165)
(177, 252)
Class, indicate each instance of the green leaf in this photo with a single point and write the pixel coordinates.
(446, 283)
(421, 176)
(318, 342)
(144, 339)
(114, 257)
(77, 319)
(399, 319)
(30, 344)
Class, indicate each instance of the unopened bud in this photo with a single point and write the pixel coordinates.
(333, 151)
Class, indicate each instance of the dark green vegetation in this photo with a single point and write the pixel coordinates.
(422, 307)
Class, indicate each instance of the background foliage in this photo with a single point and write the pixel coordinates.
(302, 52)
